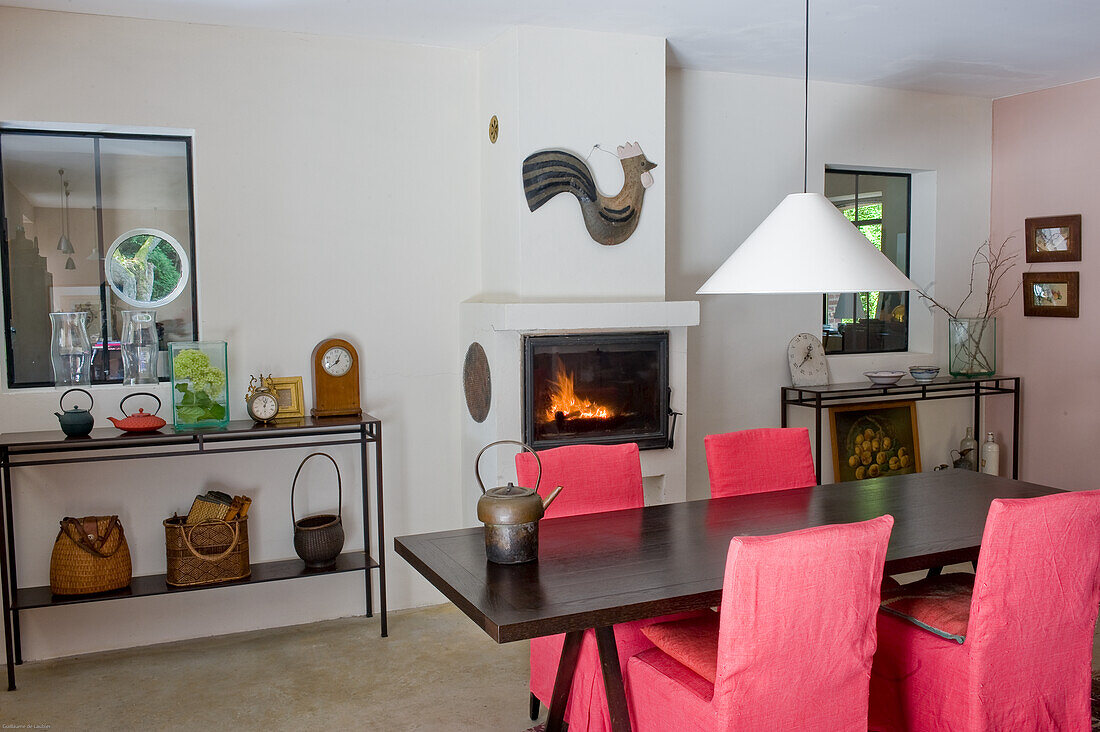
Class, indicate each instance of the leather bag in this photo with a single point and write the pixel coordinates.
(90, 555)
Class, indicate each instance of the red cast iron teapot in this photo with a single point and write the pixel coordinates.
(139, 421)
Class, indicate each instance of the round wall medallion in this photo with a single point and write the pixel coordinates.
(494, 129)
(476, 382)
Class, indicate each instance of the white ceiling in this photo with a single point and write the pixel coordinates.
(988, 48)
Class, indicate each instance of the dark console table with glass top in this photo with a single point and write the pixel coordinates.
(943, 387)
(52, 447)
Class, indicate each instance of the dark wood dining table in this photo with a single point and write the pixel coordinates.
(596, 570)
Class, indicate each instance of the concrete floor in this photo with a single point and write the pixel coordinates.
(436, 671)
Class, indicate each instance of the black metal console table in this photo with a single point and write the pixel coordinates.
(54, 448)
(943, 387)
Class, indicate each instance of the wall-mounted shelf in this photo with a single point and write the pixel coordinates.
(24, 449)
(943, 387)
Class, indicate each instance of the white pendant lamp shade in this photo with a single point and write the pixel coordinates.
(806, 245)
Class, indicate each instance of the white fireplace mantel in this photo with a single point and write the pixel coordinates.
(580, 316)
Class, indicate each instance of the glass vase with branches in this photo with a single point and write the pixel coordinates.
(972, 338)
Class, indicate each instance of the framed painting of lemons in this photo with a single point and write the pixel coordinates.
(874, 439)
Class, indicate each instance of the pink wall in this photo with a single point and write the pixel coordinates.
(1046, 162)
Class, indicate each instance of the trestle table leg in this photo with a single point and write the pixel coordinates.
(563, 682)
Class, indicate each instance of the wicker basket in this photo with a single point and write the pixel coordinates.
(319, 539)
(90, 555)
(207, 552)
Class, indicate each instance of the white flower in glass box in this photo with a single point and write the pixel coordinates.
(972, 341)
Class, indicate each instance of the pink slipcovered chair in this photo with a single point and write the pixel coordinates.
(1021, 653)
(754, 461)
(790, 649)
(594, 478)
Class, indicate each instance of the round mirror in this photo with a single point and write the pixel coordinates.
(147, 268)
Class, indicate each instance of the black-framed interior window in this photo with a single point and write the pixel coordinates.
(878, 205)
(99, 223)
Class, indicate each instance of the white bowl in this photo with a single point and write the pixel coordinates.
(884, 378)
(924, 374)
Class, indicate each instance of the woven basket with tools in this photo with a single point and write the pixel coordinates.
(209, 551)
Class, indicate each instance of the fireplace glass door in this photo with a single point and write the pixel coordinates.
(604, 388)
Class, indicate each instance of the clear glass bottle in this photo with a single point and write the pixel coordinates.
(140, 347)
(991, 455)
(70, 349)
(968, 449)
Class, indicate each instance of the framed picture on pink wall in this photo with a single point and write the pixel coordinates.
(1052, 294)
(1053, 238)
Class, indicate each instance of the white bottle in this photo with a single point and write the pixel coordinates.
(991, 456)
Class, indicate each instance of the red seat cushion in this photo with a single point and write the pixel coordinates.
(937, 604)
(691, 641)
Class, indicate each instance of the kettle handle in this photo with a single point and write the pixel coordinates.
(138, 393)
(524, 445)
(61, 401)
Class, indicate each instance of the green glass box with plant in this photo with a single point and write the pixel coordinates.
(200, 387)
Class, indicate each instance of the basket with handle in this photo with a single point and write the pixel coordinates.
(318, 539)
(206, 552)
(90, 555)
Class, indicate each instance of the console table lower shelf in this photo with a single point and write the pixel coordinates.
(27, 598)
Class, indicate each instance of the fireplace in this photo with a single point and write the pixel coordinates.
(601, 388)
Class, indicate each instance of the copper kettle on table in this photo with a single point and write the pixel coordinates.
(511, 515)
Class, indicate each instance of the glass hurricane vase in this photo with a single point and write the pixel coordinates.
(972, 347)
(200, 384)
(139, 345)
(70, 349)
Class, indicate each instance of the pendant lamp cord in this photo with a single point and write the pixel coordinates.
(806, 110)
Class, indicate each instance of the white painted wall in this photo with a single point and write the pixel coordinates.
(554, 88)
(336, 193)
(734, 151)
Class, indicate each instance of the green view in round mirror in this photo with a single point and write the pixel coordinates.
(147, 268)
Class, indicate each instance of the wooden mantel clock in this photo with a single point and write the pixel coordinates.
(335, 379)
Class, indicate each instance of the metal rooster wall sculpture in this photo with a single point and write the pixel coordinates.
(608, 220)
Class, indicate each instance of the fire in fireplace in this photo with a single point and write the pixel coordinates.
(602, 388)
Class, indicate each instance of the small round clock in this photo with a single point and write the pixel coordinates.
(261, 402)
(806, 359)
(335, 379)
(336, 361)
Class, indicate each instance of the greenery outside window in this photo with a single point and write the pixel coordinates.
(878, 205)
(100, 223)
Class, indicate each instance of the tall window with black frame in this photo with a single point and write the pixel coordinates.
(878, 205)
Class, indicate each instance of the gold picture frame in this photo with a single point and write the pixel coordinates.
(288, 390)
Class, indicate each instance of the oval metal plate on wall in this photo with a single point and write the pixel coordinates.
(494, 129)
(477, 383)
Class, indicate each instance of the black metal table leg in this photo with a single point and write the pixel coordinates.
(817, 438)
(5, 586)
(1016, 429)
(563, 682)
(978, 412)
(13, 574)
(380, 518)
(367, 583)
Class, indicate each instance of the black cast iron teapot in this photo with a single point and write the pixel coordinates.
(75, 422)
